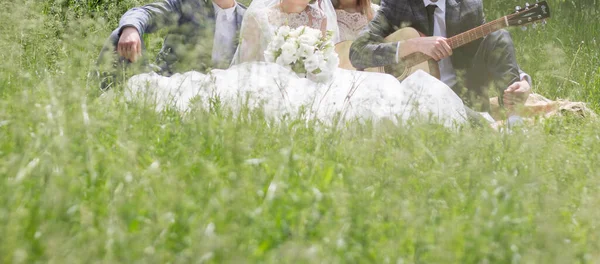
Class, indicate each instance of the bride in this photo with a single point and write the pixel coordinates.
(279, 91)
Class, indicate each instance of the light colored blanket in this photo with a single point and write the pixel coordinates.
(539, 107)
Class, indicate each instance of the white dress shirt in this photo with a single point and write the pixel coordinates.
(447, 72)
(225, 34)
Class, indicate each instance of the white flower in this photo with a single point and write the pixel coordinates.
(283, 31)
(289, 47)
(308, 39)
(210, 229)
(312, 62)
(291, 40)
(316, 33)
(281, 62)
(296, 32)
(269, 55)
(305, 50)
(277, 41)
(288, 52)
(255, 161)
(149, 250)
(155, 166)
(332, 61)
(271, 191)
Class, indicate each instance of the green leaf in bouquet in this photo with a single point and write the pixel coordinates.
(298, 67)
(328, 36)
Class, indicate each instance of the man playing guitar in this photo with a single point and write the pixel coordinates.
(470, 70)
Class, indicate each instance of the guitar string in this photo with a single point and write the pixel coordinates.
(485, 29)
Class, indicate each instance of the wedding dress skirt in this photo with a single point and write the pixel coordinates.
(349, 95)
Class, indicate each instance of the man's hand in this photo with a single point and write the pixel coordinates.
(130, 44)
(434, 47)
(517, 94)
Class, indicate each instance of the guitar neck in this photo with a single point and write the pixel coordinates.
(477, 33)
(461, 39)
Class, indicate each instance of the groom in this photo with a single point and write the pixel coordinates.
(476, 66)
(199, 35)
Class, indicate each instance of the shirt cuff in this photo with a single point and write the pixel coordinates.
(526, 77)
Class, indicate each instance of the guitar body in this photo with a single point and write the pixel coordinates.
(429, 66)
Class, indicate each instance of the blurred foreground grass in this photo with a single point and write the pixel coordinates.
(85, 180)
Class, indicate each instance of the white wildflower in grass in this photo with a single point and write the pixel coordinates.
(19, 256)
(318, 194)
(210, 229)
(255, 161)
(271, 191)
(23, 172)
(340, 243)
(305, 51)
(149, 250)
(155, 166)
(128, 177)
(170, 217)
(206, 257)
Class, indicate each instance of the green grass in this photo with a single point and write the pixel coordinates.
(97, 180)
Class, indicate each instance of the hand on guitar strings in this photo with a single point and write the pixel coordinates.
(516, 94)
(434, 47)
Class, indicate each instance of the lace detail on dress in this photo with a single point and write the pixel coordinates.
(351, 24)
(260, 26)
(311, 17)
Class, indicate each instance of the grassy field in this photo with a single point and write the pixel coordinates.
(84, 180)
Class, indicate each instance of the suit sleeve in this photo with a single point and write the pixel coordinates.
(368, 50)
(150, 17)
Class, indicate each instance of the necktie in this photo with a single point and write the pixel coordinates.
(224, 38)
(430, 15)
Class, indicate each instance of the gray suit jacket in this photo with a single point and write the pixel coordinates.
(461, 15)
(189, 25)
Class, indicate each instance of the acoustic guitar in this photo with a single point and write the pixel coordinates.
(419, 61)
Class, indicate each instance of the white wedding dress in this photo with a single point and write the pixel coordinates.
(253, 83)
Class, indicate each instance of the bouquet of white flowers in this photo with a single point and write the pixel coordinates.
(305, 51)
